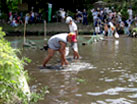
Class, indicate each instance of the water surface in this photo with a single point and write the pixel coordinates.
(108, 70)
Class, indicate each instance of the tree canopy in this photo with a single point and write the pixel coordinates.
(71, 5)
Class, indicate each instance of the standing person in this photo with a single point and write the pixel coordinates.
(105, 29)
(58, 42)
(62, 14)
(73, 28)
(127, 27)
(79, 16)
(130, 13)
(111, 29)
(27, 17)
(97, 26)
(32, 16)
(85, 15)
(95, 16)
(14, 23)
(10, 17)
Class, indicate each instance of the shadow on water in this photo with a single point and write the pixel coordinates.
(107, 67)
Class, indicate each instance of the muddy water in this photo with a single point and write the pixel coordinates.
(105, 73)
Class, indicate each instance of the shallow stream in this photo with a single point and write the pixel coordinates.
(105, 74)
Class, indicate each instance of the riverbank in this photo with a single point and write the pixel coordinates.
(38, 29)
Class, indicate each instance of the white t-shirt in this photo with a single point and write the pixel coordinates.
(63, 14)
(73, 27)
(130, 11)
(32, 14)
(53, 42)
(95, 15)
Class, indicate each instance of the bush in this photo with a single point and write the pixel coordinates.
(4, 16)
(12, 74)
(11, 68)
(72, 14)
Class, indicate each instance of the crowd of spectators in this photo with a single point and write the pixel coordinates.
(103, 19)
(81, 17)
(16, 19)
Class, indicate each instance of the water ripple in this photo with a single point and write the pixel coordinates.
(112, 91)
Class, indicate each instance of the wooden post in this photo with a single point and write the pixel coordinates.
(25, 32)
(45, 29)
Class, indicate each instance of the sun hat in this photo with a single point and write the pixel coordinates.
(73, 36)
(68, 19)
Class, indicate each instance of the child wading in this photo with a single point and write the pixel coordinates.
(58, 42)
(73, 28)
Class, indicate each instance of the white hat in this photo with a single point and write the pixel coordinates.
(68, 19)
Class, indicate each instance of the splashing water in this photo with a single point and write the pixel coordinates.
(78, 66)
(74, 66)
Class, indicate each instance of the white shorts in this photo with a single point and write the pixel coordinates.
(97, 29)
(75, 46)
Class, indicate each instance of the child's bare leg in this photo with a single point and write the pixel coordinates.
(50, 55)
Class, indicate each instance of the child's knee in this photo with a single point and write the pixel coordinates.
(50, 55)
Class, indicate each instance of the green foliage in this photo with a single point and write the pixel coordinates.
(35, 96)
(69, 13)
(13, 5)
(3, 16)
(124, 8)
(11, 68)
(134, 29)
(134, 6)
(106, 0)
(80, 80)
(90, 17)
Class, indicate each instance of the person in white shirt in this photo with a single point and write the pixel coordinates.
(58, 42)
(62, 14)
(27, 17)
(73, 28)
(130, 12)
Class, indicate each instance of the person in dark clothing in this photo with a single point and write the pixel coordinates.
(85, 15)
